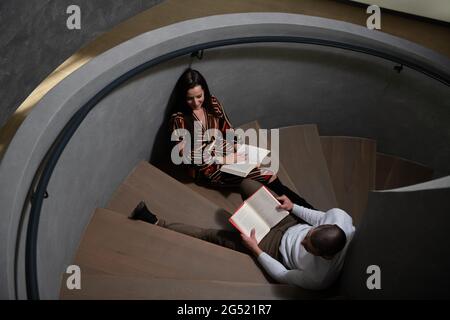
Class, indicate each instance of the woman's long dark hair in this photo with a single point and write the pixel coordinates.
(188, 80)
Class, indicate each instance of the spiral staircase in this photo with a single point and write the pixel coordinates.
(351, 104)
(125, 259)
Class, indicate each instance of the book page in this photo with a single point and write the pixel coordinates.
(241, 170)
(245, 219)
(253, 154)
(265, 204)
(254, 157)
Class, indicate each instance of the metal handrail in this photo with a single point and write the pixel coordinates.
(54, 153)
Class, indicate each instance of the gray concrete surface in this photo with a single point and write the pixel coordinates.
(440, 183)
(277, 84)
(406, 235)
(35, 40)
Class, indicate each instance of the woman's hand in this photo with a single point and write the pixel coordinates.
(251, 243)
(286, 203)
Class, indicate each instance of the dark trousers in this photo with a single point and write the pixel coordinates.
(280, 189)
(232, 239)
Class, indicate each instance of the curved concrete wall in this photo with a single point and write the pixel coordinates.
(433, 184)
(338, 87)
(43, 42)
(406, 235)
(344, 93)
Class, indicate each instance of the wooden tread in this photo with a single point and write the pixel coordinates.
(126, 288)
(395, 172)
(167, 198)
(302, 156)
(116, 245)
(351, 162)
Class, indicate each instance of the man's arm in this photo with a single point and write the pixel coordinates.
(282, 275)
(275, 269)
(308, 215)
(312, 217)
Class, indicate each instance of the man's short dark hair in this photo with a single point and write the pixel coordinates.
(328, 239)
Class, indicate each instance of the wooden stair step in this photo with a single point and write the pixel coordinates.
(282, 173)
(122, 287)
(227, 198)
(302, 156)
(167, 198)
(351, 163)
(395, 172)
(116, 245)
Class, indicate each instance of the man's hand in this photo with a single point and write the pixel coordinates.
(286, 204)
(251, 243)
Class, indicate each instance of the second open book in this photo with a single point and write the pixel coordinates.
(259, 212)
(254, 157)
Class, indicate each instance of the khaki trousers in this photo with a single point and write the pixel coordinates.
(232, 239)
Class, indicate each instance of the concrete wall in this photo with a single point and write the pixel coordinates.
(406, 235)
(440, 183)
(344, 93)
(35, 40)
(282, 84)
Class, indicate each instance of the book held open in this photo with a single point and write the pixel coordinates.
(259, 212)
(254, 157)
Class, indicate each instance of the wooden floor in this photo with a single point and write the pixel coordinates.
(108, 287)
(395, 172)
(168, 199)
(282, 172)
(301, 151)
(351, 162)
(226, 198)
(117, 245)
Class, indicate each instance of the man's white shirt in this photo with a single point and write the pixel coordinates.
(300, 267)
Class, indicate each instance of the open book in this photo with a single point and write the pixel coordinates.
(254, 157)
(259, 212)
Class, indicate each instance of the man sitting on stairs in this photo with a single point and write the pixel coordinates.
(306, 248)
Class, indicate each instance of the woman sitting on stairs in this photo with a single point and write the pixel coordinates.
(198, 114)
